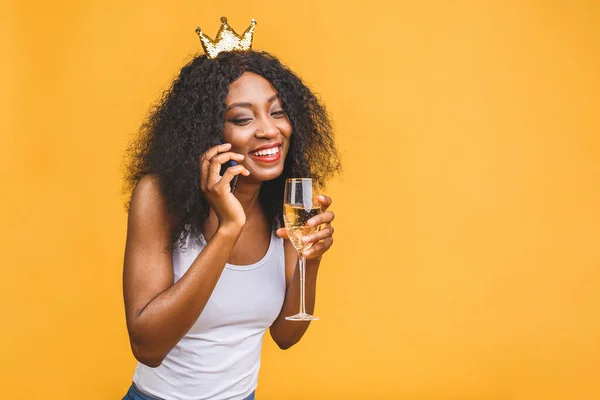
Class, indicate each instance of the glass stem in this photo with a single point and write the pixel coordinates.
(302, 267)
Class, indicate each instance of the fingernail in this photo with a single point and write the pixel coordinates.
(305, 239)
(311, 222)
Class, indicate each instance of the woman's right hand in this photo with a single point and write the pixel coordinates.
(216, 188)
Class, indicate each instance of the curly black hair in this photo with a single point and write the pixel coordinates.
(189, 119)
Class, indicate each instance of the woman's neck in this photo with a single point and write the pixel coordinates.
(247, 194)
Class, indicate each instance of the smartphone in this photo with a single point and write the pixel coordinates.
(224, 167)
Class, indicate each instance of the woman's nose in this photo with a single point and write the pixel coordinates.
(267, 129)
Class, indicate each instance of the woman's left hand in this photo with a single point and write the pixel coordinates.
(322, 239)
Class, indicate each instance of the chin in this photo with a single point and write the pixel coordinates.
(269, 176)
(264, 175)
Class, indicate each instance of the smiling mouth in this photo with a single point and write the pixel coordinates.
(266, 156)
(266, 152)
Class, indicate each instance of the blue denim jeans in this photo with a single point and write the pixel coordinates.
(135, 394)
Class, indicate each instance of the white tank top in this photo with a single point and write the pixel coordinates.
(219, 357)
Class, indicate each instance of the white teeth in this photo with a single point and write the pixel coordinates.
(267, 152)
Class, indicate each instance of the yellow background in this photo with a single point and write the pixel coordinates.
(467, 261)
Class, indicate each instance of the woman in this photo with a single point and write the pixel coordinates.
(207, 271)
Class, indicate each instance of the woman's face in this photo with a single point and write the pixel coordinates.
(256, 126)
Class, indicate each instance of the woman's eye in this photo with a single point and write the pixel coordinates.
(240, 121)
(278, 113)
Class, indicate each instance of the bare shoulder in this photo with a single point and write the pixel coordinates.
(147, 195)
(149, 224)
(148, 203)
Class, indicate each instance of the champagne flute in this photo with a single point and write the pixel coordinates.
(299, 205)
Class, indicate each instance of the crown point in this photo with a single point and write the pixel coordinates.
(226, 39)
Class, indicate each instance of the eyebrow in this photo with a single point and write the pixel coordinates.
(249, 105)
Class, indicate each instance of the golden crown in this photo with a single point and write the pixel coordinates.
(226, 39)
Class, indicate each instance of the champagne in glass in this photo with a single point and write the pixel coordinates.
(299, 205)
(296, 218)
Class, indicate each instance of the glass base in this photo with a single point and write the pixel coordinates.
(302, 317)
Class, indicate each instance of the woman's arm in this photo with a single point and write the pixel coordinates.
(159, 313)
(287, 333)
